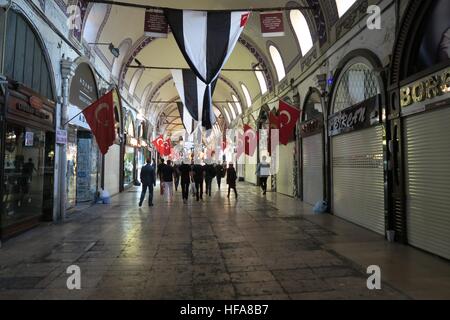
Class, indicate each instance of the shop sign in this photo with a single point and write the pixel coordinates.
(360, 116)
(425, 89)
(311, 127)
(272, 24)
(26, 108)
(29, 139)
(36, 103)
(156, 25)
(83, 87)
(61, 136)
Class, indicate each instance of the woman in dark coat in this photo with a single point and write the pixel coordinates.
(231, 179)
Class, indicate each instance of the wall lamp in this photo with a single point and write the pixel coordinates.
(114, 51)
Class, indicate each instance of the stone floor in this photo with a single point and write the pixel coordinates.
(257, 247)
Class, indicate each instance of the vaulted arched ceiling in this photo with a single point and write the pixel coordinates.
(123, 26)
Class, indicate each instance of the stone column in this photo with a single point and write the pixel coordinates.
(67, 72)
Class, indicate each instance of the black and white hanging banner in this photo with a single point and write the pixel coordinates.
(206, 40)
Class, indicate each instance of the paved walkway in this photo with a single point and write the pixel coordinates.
(258, 247)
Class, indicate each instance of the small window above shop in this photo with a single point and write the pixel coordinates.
(358, 83)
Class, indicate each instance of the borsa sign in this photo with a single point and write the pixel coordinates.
(426, 89)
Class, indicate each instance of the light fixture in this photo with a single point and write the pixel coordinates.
(114, 51)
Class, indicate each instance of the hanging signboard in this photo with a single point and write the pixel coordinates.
(29, 139)
(272, 24)
(311, 127)
(61, 136)
(357, 117)
(156, 25)
(83, 87)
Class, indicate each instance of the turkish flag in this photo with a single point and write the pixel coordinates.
(240, 145)
(167, 147)
(159, 144)
(100, 117)
(288, 117)
(251, 140)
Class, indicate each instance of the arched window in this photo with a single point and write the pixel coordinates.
(248, 97)
(261, 80)
(358, 83)
(343, 6)
(313, 107)
(25, 59)
(232, 110)
(227, 114)
(301, 29)
(237, 104)
(278, 62)
(94, 22)
(135, 80)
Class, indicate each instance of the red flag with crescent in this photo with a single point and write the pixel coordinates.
(288, 117)
(167, 147)
(251, 140)
(100, 117)
(240, 145)
(159, 144)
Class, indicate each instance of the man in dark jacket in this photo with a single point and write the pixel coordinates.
(231, 180)
(210, 173)
(199, 177)
(220, 173)
(148, 180)
(185, 173)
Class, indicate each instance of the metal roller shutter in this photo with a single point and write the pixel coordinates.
(358, 178)
(285, 177)
(427, 151)
(313, 169)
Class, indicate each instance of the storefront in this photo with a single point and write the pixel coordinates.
(357, 149)
(312, 149)
(83, 158)
(112, 160)
(129, 159)
(27, 134)
(421, 115)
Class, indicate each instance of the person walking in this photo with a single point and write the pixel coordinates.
(148, 180)
(185, 175)
(231, 180)
(220, 173)
(168, 175)
(176, 171)
(160, 170)
(263, 173)
(210, 174)
(199, 176)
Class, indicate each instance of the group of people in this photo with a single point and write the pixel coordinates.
(191, 176)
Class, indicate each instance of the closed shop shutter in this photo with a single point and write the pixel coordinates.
(358, 178)
(313, 169)
(427, 153)
(285, 174)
